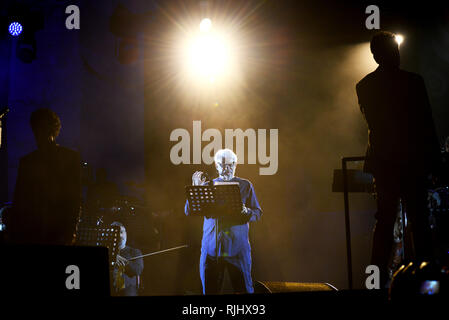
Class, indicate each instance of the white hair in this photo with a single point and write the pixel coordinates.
(228, 154)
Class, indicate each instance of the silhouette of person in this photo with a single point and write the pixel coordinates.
(402, 147)
(47, 195)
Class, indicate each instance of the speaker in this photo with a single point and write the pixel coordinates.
(40, 270)
(278, 286)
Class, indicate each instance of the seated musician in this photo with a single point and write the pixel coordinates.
(126, 273)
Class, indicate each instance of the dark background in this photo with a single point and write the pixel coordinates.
(299, 63)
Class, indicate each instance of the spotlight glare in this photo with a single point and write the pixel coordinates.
(15, 29)
(205, 25)
(208, 56)
(208, 60)
(399, 39)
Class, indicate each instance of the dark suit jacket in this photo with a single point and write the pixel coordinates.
(400, 124)
(47, 197)
(132, 270)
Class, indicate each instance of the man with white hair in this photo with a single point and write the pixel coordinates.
(234, 250)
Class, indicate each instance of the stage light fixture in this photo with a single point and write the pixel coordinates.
(22, 22)
(15, 28)
(208, 54)
(205, 25)
(399, 39)
(26, 49)
(128, 50)
(126, 27)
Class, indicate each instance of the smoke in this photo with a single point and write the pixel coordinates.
(319, 121)
(306, 92)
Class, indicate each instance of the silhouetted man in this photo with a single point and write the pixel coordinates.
(402, 147)
(47, 195)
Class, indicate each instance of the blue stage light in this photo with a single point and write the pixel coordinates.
(15, 29)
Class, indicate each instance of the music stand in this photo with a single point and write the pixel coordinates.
(99, 236)
(220, 200)
(347, 180)
(223, 199)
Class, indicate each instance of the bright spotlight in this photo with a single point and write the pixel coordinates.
(399, 39)
(15, 29)
(208, 56)
(205, 25)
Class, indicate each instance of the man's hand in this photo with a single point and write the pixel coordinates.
(120, 261)
(244, 209)
(197, 179)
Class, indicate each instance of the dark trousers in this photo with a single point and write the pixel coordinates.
(212, 274)
(129, 291)
(392, 185)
